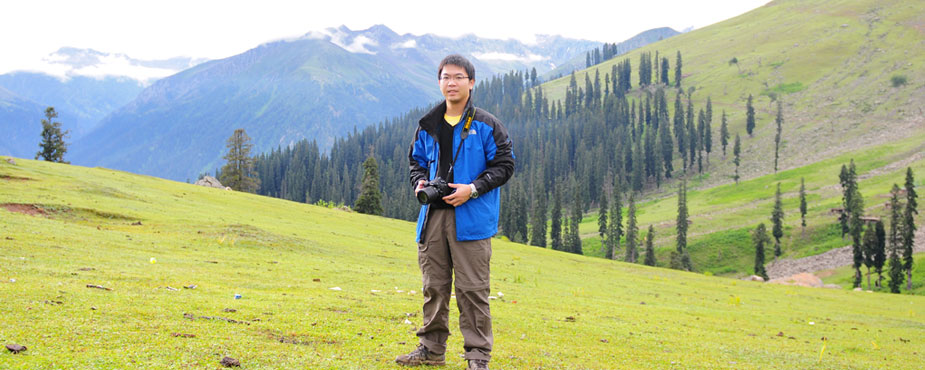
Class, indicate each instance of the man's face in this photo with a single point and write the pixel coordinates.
(455, 84)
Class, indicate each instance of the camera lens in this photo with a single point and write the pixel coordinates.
(427, 195)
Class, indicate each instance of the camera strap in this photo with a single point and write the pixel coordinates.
(462, 137)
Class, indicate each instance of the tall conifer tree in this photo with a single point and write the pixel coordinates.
(909, 226)
(724, 133)
(802, 205)
(777, 221)
(370, 200)
(682, 257)
(780, 122)
(650, 247)
(677, 71)
(238, 172)
(760, 238)
(538, 227)
(895, 241)
(749, 116)
(52, 144)
(632, 232)
(736, 151)
(615, 228)
(555, 227)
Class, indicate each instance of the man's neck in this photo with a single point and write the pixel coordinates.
(455, 110)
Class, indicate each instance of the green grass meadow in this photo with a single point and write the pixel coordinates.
(553, 311)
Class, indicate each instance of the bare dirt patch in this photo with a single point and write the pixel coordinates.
(14, 178)
(26, 209)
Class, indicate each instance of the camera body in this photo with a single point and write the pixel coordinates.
(433, 191)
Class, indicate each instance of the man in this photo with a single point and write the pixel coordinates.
(470, 149)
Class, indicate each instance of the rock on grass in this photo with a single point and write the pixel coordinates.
(230, 362)
(15, 348)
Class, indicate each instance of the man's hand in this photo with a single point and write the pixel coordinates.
(419, 187)
(458, 197)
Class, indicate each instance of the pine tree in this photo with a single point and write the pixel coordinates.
(574, 235)
(677, 71)
(895, 240)
(724, 134)
(880, 252)
(615, 228)
(602, 218)
(666, 148)
(708, 131)
(760, 237)
(632, 232)
(538, 227)
(777, 221)
(370, 200)
(749, 116)
(664, 70)
(779, 121)
(855, 224)
(238, 172)
(682, 224)
(555, 227)
(679, 130)
(868, 248)
(52, 145)
(846, 199)
(909, 226)
(650, 248)
(803, 205)
(736, 151)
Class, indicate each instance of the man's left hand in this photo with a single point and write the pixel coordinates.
(458, 197)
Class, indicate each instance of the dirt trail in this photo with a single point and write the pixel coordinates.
(834, 258)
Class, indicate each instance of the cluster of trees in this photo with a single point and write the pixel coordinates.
(870, 241)
(599, 55)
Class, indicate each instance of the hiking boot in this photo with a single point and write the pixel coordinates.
(478, 365)
(421, 356)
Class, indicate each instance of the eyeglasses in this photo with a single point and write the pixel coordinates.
(459, 78)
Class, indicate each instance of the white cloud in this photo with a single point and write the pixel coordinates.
(108, 65)
(508, 57)
(410, 44)
(120, 65)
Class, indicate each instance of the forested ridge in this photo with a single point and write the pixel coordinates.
(606, 134)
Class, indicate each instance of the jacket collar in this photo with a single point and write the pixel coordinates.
(435, 116)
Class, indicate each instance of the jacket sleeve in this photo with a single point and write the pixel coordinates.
(500, 165)
(417, 160)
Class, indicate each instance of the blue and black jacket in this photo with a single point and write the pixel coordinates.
(486, 160)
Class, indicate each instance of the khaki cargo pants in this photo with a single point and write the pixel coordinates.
(439, 256)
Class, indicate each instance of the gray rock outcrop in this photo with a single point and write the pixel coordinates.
(209, 181)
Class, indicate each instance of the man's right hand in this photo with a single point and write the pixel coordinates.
(420, 186)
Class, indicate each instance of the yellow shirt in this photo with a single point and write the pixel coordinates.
(452, 120)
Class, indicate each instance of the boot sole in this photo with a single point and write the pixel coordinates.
(428, 363)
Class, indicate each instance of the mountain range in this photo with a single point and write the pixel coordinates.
(320, 86)
(83, 85)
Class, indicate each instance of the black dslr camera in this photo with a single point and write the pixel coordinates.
(433, 191)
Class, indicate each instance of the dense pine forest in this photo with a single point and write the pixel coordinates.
(606, 136)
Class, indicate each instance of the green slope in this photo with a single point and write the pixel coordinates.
(831, 63)
(556, 311)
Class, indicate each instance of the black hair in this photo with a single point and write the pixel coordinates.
(457, 60)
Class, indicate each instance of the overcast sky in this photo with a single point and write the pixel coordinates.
(33, 29)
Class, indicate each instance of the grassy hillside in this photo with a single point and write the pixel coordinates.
(724, 216)
(103, 227)
(831, 63)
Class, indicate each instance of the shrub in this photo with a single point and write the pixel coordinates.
(898, 80)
